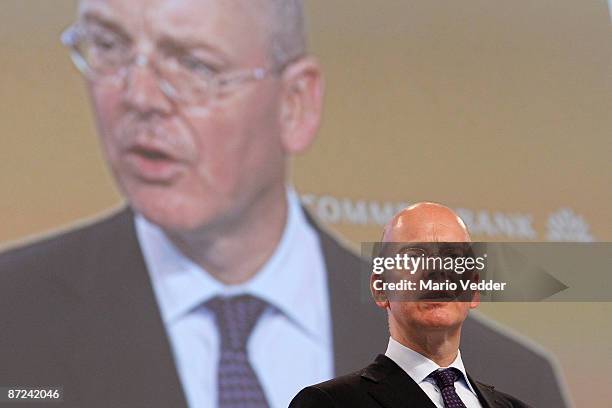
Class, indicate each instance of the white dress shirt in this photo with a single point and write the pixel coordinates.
(291, 345)
(418, 367)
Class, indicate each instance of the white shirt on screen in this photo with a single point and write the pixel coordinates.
(291, 345)
(418, 367)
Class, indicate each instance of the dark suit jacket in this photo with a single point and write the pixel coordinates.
(78, 310)
(383, 384)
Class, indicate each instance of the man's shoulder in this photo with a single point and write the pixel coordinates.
(46, 301)
(43, 283)
(65, 252)
(350, 381)
(365, 388)
(346, 390)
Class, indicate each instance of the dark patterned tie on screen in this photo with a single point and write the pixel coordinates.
(445, 380)
(238, 386)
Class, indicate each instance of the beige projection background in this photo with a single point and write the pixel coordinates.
(500, 108)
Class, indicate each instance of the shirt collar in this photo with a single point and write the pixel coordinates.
(285, 281)
(419, 367)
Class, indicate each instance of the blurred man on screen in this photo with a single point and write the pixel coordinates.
(199, 104)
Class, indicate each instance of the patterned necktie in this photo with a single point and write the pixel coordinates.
(238, 386)
(445, 380)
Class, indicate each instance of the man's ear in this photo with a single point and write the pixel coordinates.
(302, 104)
(379, 296)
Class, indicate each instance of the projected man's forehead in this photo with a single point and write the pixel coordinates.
(182, 21)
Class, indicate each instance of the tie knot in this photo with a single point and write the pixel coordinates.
(236, 317)
(446, 377)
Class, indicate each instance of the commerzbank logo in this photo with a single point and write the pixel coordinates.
(566, 225)
(562, 225)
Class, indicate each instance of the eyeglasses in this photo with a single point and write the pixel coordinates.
(105, 56)
(427, 249)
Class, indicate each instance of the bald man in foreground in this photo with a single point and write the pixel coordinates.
(422, 366)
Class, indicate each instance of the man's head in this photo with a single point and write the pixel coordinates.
(209, 158)
(424, 223)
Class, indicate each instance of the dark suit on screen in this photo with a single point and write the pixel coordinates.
(78, 310)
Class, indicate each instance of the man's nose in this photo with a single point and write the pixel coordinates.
(143, 93)
(436, 274)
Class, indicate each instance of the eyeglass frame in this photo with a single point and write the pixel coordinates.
(69, 38)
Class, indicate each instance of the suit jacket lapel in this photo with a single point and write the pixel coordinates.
(486, 395)
(122, 338)
(359, 327)
(392, 387)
